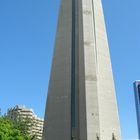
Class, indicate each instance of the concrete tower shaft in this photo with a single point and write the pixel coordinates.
(81, 103)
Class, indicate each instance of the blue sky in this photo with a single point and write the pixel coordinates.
(27, 33)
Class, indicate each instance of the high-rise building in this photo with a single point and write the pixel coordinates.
(81, 103)
(37, 128)
(137, 102)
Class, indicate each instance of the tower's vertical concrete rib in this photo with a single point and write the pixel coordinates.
(81, 103)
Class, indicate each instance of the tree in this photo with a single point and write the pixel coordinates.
(10, 130)
(25, 124)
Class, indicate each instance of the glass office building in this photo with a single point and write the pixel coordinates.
(137, 101)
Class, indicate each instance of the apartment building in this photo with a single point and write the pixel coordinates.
(23, 112)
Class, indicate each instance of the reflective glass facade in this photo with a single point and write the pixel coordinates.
(137, 101)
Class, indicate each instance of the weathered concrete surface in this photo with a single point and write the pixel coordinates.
(81, 103)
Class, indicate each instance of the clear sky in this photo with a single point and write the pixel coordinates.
(27, 33)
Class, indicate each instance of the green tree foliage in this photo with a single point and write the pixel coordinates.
(14, 130)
